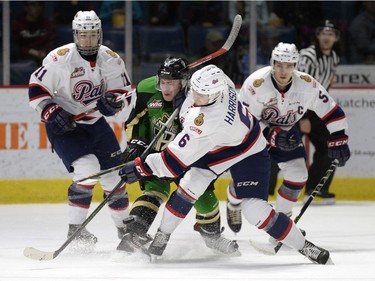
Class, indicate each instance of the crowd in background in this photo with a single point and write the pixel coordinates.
(38, 27)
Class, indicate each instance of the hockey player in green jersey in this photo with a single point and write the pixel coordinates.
(157, 98)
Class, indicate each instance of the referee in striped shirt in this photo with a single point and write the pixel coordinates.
(320, 61)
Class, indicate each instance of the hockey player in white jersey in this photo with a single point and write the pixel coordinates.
(279, 95)
(218, 134)
(75, 79)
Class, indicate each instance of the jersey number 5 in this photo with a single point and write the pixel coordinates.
(323, 97)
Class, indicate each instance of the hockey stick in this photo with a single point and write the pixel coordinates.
(225, 48)
(261, 247)
(237, 21)
(83, 114)
(155, 139)
(92, 110)
(36, 254)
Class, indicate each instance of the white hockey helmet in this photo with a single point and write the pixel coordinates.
(285, 52)
(87, 21)
(211, 81)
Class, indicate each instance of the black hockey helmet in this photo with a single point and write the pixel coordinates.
(174, 69)
(327, 25)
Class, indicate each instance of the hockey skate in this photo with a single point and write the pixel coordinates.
(121, 231)
(159, 243)
(234, 217)
(84, 241)
(135, 236)
(133, 243)
(315, 253)
(216, 242)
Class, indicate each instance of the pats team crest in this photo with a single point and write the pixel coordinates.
(198, 121)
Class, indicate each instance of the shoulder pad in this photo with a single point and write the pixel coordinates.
(59, 53)
(112, 53)
(147, 85)
(104, 50)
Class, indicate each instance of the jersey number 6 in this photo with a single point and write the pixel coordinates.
(183, 141)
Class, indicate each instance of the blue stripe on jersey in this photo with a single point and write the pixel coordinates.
(281, 227)
(37, 92)
(334, 115)
(173, 164)
(178, 206)
(227, 153)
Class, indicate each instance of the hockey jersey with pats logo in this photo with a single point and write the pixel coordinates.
(76, 84)
(217, 136)
(284, 110)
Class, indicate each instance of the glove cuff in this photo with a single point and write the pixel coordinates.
(49, 111)
(334, 142)
(272, 136)
(142, 168)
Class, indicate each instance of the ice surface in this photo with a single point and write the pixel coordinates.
(346, 229)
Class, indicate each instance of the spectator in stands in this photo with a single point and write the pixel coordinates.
(362, 35)
(303, 15)
(204, 13)
(228, 62)
(269, 38)
(33, 34)
(64, 11)
(163, 12)
(112, 13)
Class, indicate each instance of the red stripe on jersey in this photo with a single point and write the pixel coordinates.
(235, 155)
(187, 194)
(267, 220)
(294, 184)
(36, 91)
(87, 186)
(336, 119)
(79, 205)
(169, 208)
(175, 158)
(287, 197)
(330, 112)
